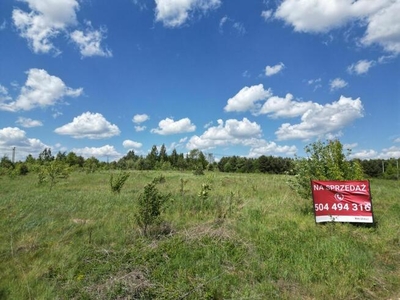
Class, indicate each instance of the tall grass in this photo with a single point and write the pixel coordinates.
(250, 238)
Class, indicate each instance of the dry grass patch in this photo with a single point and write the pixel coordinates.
(82, 221)
(217, 233)
(123, 285)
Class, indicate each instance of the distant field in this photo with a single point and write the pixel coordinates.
(251, 237)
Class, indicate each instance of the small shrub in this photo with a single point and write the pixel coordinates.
(159, 179)
(182, 186)
(51, 172)
(117, 183)
(150, 204)
(41, 177)
(198, 171)
(203, 194)
(22, 169)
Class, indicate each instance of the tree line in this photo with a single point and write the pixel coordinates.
(195, 160)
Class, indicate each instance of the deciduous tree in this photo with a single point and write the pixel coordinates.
(325, 161)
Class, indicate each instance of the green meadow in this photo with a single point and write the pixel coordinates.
(247, 236)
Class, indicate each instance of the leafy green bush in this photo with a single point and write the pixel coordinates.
(6, 166)
(52, 171)
(198, 170)
(325, 161)
(22, 169)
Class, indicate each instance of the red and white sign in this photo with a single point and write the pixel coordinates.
(342, 201)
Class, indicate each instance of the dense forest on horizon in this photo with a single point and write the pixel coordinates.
(195, 160)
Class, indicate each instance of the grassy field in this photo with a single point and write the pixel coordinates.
(250, 238)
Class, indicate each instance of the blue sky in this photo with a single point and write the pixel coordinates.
(245, 78)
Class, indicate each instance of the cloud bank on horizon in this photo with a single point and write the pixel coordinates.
(273, 76)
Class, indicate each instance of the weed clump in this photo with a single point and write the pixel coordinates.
(203, 194)
(159, 179)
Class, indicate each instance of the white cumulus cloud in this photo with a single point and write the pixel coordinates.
(3, 90)
(89, 41)
(28, 123)
(391, 152)
(46, 20)
(4, 96)
(384, 27)
(262, 147)
(322, 16)
(140, 118)
(131, 144)
(11, 137)
(386, 153)
(364, 154)
(260, 101)
(360, 67)
(98, 152)
(169, 126)
(337, 84)
(267, 14)
(323, 120)
(140, 128)
(286, 107)
(231, 132)
(272, 70)
(40, 90)
(248, 98)
(3, 25)
(174, 13)
(379, 17)
(89, 125)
